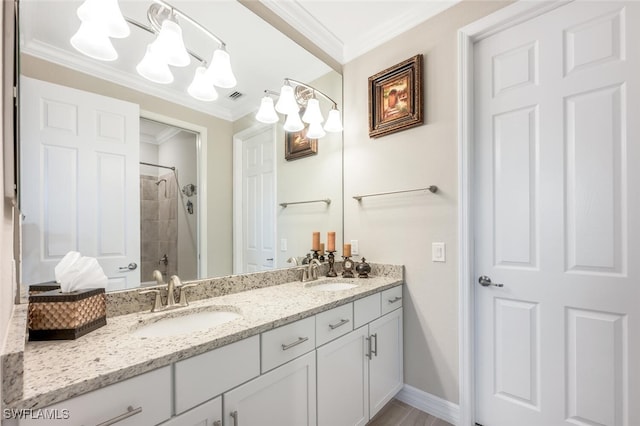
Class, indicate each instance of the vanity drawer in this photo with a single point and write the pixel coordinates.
(366, 310)
(288, 342)
(391, 299)
(200, 378)
(149, 395)
(334, 323)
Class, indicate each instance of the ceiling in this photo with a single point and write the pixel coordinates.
(261, 56)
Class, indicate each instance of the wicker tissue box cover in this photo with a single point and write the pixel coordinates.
(53, 315)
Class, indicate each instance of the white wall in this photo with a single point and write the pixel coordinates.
(400, 228)
(148, 154)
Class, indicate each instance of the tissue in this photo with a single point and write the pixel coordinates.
(76, 272)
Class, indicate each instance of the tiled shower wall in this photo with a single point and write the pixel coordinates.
(158, 225)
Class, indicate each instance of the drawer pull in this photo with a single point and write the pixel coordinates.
(234, 415)
(341, 323)
(368, 354)
(296, 343)
(375, 350)
(395, 299)
(130, 412)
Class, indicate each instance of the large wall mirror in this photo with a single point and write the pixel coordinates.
(149, 178)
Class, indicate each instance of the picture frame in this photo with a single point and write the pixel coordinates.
(297, 145)
(395, 98)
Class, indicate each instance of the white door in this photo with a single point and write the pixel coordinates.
(557, 149)
(258, 202)
(285, 396)
(343, 381)
(79, 181)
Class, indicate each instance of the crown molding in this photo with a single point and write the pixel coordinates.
(61, 57)
(294, 13)
(300, 19)
(376, 36)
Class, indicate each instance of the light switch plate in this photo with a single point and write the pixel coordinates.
(283, 244)
(438, 252)
(355, 249)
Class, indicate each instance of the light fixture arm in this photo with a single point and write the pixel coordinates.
(313, 89)
(153, 31)
(193, 22)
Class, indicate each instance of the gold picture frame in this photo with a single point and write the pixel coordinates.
(297, 145)
(395, 98)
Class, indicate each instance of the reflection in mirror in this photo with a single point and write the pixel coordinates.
(221, 229)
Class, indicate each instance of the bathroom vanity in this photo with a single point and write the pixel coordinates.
(284, 353)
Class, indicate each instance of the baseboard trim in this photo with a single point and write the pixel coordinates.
(430, 404)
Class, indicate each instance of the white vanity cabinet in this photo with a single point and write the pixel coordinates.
(207, 414)
(140, 400)
(285, 396)
(360, 372)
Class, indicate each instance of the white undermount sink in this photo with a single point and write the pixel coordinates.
(330, 286)
(177, 322)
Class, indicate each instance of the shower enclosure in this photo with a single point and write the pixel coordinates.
(168, 200)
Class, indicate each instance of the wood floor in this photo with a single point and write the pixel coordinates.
(397, 413)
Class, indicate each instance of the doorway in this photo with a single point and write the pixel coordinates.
(548, 221)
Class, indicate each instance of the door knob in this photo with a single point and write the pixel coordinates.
(486, 282)
(129, 267)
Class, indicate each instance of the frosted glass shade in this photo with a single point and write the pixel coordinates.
(91, 40)
(154, 68)
(313, 114)
(105, 13)
(169, 44)
(287, 102)
(315, 131)
(333, 124)
(220, 70)
(201, 87)
(293, 122)
(266, 113)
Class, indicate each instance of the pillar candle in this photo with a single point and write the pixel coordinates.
(316, 241)
(331, 241)
(322, 248)
(347, 250)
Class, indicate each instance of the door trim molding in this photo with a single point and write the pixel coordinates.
(467, 36)
(238, 140)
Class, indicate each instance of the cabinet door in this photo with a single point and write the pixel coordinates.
(207, 414)
(285, 396)
(385, 366)
(343, 380)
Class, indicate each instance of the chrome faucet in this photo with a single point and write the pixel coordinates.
(293, 259)
(310, 273)
(174, 282)
(171, 286)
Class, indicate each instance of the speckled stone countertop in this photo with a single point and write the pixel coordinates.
(54, 371)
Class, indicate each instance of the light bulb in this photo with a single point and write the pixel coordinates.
(333, 123)
(154, 68)
(315, 131)
(170, 44)
(266, 113)
(220, 70)
(107, 13)
(293, 123)
(287, 102)
(91, 40)
(201, 87)
(313, 114)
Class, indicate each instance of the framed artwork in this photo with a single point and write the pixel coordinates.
(297, 145)
(395, 98)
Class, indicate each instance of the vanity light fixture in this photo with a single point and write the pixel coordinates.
(102, 20)
(294, 95)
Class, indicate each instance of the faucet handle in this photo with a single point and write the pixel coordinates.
(183, 294)
(157, 302)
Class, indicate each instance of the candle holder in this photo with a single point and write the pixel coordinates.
(347, 267)
(321, 258)
(332, 259)
(315, 254)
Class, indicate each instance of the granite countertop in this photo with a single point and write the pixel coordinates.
(57, 370)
